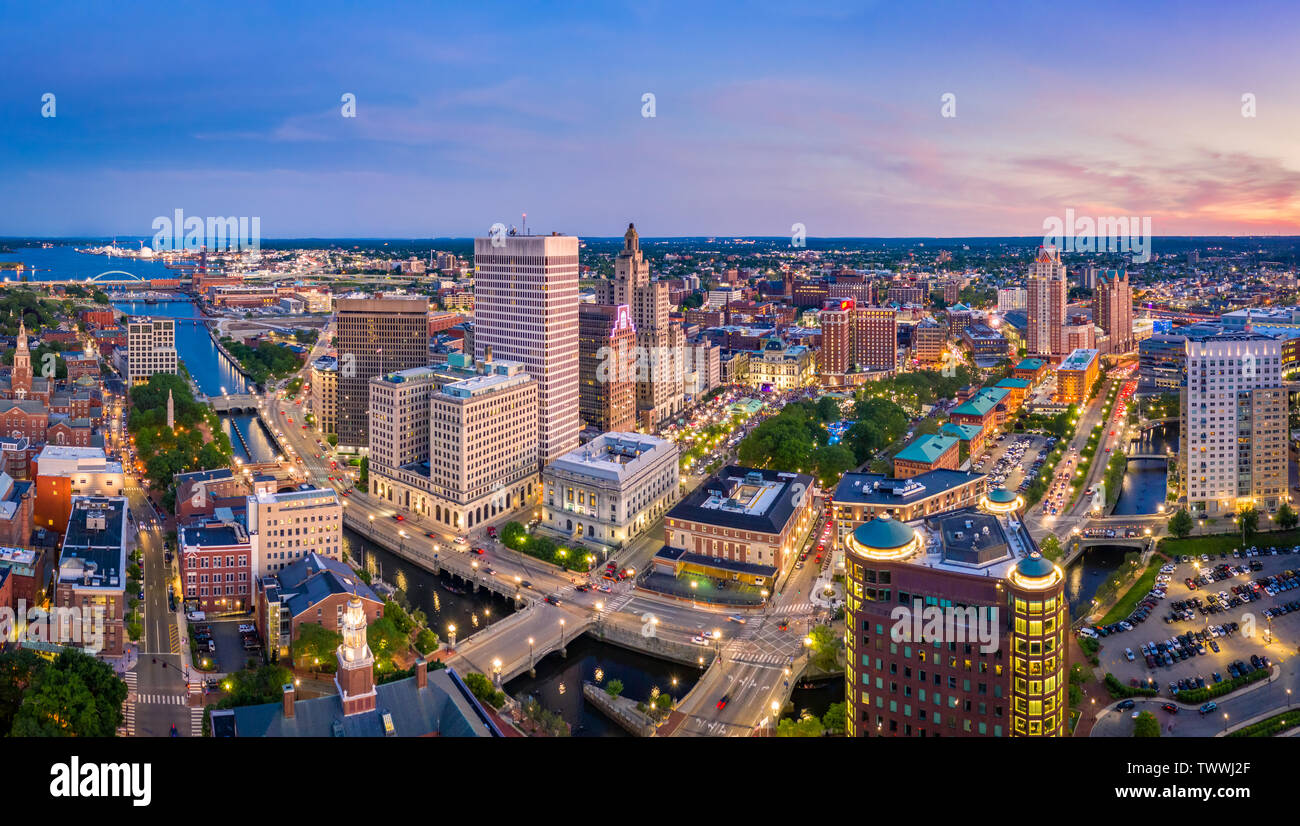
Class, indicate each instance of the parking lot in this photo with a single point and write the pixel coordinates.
(1207, 630)
(230, 654)
(1013, 462)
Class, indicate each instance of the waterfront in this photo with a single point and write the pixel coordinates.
(1088, 571)
(558, 684)
(1145, 479)
(438, 596)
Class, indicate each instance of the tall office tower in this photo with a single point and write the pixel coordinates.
(374, 336)
(874, 337)
(607, 367)
(1112, 309)
(1234, 421)
(979, 650)
(325, 393)
(1047, 300)
(833, 358)
(1088, 277)
(526, 310)
(660, 343)
(150, 348)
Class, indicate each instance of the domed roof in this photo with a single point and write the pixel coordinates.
(1035, 566)
(1002, 496)
(883, 533)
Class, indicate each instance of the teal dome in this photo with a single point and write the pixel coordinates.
(883, 534)
(1035, 566)
(1001, 496)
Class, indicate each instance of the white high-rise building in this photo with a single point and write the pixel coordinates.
(526, 310)
(1234, 424)
(150, 348)
(1047, 299)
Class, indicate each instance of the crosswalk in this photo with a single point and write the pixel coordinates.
(196, 721)
(162, 699)
(128, 705)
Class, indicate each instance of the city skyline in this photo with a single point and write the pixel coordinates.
(748, 136)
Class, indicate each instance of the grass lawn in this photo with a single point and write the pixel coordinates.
(1225, 542)
(1139, 589)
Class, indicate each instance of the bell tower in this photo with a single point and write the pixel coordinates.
(20, 378)
(355, 678)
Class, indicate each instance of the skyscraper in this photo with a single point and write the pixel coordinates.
(526, 310)
(375, 336)
(1047, 300)
(660, 343)
(607, 367)
(1234, 417)
(1112, 309)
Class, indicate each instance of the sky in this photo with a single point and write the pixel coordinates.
(827, 114)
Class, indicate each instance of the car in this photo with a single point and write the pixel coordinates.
(1125, 705)
(247, 628)
(552, 599)
(460, 540)
(479, 551)
(583, 587)
(604, 588)
(492, 531)
(783, 625)
(723, 700)
(1170, 707)
(399, 517)
(1129, 655)
(196, 616)
(699, 640)
(736, 618)
(140, 595)
(1209, 707)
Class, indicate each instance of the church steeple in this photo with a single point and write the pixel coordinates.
(20, 378)
(630, 242)
(355, 678)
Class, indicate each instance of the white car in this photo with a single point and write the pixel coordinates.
(1129, 655)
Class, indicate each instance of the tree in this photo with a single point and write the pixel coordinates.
(1146, 725)
(835, 718)
(1180, 524)
(255, 687)
(1248, 518)
(614, 688)
(1286, 516)
(17, 670)
(481, 687)
(828, 409)
(513, 534)
(315, 646)
(831, 462)
(1050, 547)
(825, 647)
(385, 640)
(75, 696)
(806, 726)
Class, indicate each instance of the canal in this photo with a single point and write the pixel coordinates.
(1088, 571)
(1145, 479)
(443, 601)
(558, 684)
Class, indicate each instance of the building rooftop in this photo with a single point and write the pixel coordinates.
(745, 498)
(1078, 360)
(878, 489)
(927, 449)
(1018, 384)
(983, 401)
(614, 456)
(94, 544)
(311, 579)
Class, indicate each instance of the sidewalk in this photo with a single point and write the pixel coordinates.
(1095, 696)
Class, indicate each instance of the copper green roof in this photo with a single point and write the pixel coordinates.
(1035, 566)
(965, 432)
(1019, 384)
(927, 449)
(883, 534)
(1029, 364)
(1001, 495)
(982, 402)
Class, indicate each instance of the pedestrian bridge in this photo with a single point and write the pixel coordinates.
(1161, 456)
(237, 403)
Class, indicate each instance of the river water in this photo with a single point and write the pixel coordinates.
(210, 369)
(1145, 479)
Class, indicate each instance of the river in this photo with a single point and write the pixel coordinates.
(207, 365)
(1145, 479)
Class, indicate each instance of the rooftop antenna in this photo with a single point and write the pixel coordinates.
(524, 215)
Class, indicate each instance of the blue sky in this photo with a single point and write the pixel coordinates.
(767, 114)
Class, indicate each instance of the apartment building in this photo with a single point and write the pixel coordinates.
(151, 348)
(286, 526)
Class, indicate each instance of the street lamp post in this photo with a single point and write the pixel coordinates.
(563, 653)
(532, 670)
(451, 637)
(496, 673)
